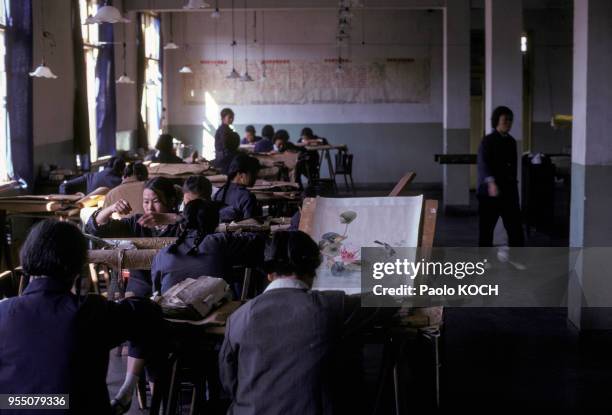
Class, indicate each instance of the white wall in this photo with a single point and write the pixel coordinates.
(410, 133)
(310, 34)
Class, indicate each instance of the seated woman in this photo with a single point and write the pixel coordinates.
(250, 136)
(306, 165)
(196, 187)
(109, 177)
(134, 177)
(266, 144)
(159, 199)
(165, 151)
(282, 142)
(290, 336)
(200, 251)
(56, 342)
(237, 201)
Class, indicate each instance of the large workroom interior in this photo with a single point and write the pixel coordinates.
(305, 207)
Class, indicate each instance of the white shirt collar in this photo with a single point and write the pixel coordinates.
(287, 283)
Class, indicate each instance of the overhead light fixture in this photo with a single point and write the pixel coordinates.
(216, 13)
(196, 4)
(245, 76)
(171, 45)
(524, 43)
(185, 69)
(124, 79)
(107, 14)
(43, 71)
(234, 73)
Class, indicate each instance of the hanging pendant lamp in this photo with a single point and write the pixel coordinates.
(234, 73)
(171, 45)
(42, 70)
(245, 76)
(106, 14)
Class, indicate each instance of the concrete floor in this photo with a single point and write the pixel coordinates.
(502, 359)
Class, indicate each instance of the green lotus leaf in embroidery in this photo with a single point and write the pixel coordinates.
(347, 217)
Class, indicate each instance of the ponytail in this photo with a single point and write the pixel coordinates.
(200, 216)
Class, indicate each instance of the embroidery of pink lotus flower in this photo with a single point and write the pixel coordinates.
(349, 256)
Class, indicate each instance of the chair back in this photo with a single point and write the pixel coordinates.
(344, 163)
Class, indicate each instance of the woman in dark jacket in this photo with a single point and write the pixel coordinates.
(165, 151)
(237, 202)
(110, 177)
(55, 342)
(200, 251)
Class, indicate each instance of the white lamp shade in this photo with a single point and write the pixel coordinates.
(185, 69)
(107, 14)
(215, 14)
(124, 79)
(170, 46)
(196, 4)
(246, 77)
(43, 71)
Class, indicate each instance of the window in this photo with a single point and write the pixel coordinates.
(90, 46)
(4, 124)
(151, 109)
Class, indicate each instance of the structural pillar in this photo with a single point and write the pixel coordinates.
(456, 178)
(504, 62)
(591, 200)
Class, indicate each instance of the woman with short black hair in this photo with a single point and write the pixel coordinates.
(56, 342)
(266, 144)
(196, 187)
(109, 177)
(260, 369)
(165, 151)
(237, 201)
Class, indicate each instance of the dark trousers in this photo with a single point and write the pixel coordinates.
(489, 211)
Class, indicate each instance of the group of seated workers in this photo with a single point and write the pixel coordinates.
(282, 351)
